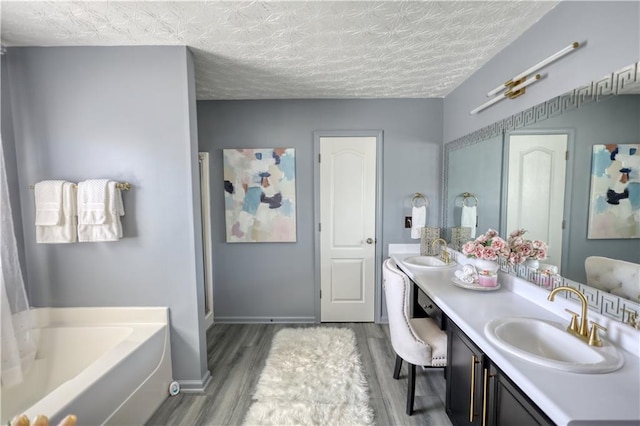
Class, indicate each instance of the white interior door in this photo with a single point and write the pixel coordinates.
(535, 189)
(207, 261)
(347, 236)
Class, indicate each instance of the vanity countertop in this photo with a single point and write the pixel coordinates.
(567, 398)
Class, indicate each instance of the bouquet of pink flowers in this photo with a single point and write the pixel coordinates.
(488, 246)
(522, 249)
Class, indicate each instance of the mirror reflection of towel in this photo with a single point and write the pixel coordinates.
(418, 221)
(469, 219)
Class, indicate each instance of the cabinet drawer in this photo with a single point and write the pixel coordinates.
(429, 307)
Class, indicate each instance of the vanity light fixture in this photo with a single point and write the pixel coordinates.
(511, 93)
(515, 86)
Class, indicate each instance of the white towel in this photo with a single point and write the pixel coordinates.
(111, 229)
(65, 230)
(48, 194)
(468, 274)
(92, 202)
(469, 219)
(418, 220)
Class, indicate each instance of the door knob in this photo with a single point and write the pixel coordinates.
(369, 240)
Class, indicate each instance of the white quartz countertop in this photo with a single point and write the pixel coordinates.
(567, 398)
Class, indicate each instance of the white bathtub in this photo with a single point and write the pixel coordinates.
(105, 365)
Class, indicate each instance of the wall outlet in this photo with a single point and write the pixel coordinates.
(407, 221)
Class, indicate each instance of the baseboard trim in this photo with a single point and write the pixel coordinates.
(195, 386)
(264, 320)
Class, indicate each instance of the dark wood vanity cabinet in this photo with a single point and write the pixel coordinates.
(509, 406)
(464, 384)
(478, 393)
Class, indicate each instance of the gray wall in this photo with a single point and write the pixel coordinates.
(258, 282)
(125, 114)
(476, 169)
(616, 121)
(612, 34)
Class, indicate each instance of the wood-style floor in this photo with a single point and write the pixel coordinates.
(237, 354)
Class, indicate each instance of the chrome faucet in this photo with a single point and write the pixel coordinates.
(444, 254)
(582, 330)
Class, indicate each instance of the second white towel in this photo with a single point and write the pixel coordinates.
(111, 228)
(469, 219)
(418, 221)
(92, 202)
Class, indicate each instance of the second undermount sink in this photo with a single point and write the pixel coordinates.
(549, 344)
(428, 262)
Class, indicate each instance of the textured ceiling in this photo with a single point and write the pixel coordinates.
(311, 49)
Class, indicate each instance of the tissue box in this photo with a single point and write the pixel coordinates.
(429, 235)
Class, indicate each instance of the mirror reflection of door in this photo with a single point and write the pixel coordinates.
(535, 189)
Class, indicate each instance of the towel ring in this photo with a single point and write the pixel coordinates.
(466, 196)
(417, 197)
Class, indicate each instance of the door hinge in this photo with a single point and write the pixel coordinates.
(318, 158)
(319, 227)
(564, 223)
(566, 155)
(320, 294)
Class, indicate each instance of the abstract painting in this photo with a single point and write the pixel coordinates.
(259, 195)
(614, 206)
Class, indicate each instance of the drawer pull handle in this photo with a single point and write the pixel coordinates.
(484, 397)
(474, 361)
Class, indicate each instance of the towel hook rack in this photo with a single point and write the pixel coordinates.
(417, 197)
(466, 196)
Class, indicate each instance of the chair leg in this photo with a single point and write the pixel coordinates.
(411, 389)
(396, 369)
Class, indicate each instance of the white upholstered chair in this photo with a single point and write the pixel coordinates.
(615, 276)
(418, 341)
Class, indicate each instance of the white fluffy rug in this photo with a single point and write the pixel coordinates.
(312, 376)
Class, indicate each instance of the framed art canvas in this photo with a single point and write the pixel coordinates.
(259, 195)
(614, 204)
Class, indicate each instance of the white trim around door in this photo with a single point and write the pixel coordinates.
(378, 135)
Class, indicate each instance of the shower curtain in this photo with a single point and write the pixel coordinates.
(18, 343)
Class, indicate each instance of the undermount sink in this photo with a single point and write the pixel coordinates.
(549, 344)
(427, 262)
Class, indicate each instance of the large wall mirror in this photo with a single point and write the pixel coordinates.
(513, 169)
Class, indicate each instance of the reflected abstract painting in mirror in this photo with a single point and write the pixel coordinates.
(259, 195)
(614, 207)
